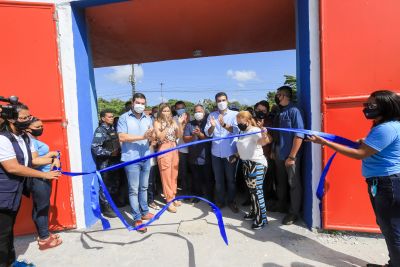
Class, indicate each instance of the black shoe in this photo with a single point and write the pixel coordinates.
(255, 226)
(187, 200)
(195, 200)
(289, 219)
(220, 205)
(109, 213)
(247, 202)
(375, 265)
(233, 207)
(249, 217)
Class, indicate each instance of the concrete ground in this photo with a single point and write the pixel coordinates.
(191, 238)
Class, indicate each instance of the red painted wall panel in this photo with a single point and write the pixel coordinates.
(29, 69)
(360, 41)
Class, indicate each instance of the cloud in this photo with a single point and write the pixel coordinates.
(120, 74)
(242, 75)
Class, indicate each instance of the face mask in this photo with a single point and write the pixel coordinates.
(260, 115)
(138, 108)
(370, 113)
(180, 111)
(37, 132)
(22, 125)
(277, 100)
(198, 116)
(242, 126)
(222, 105)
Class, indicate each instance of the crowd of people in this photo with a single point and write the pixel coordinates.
(268, 162)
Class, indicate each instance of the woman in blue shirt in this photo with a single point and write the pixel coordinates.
(380, 155)
(41, 189)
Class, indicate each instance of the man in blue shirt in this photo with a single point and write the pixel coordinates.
(287, 155)
(199, 155)
(135, 129)
(223, 123)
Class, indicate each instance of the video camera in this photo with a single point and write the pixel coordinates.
(9, 111)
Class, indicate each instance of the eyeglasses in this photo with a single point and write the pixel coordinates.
(370, 105)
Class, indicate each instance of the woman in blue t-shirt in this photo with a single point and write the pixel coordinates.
(380, 155)
(41, 189)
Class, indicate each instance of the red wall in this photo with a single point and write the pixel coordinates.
(29, 68)
(360, 43)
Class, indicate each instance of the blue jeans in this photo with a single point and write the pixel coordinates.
(386, 205)
(138, 181)
(224, 169)
(41, 191)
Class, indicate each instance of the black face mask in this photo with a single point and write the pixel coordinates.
(277, 100)
(260, 115)
(370, 113)
(37, 132)
(21, 126)
(242, 126)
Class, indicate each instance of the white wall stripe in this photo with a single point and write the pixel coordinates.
(66, 51)
(315, 93)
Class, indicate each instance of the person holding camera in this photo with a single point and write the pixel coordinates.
(16, 161)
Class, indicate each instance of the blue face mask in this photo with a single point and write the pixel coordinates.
(180, 111)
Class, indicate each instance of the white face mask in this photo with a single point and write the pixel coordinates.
(138, 108)
(198, 116)
(222, 105)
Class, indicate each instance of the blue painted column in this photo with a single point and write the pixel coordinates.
(87, 101)
(303, 86)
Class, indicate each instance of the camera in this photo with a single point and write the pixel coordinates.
(9, 111)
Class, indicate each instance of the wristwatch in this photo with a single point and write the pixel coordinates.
(292, 158)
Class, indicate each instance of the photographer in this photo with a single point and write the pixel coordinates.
(16, 155)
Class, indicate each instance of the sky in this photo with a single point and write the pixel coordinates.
(245, 77)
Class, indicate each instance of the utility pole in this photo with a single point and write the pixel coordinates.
(132, 80)
(162, 97)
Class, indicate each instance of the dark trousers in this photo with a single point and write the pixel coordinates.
(288, 183)
(183, 174)
(7, 251)
(112, 180)
(386, 205)
(224, 169)
(154, 178)
(270, 181)
(202, 177)
(41, 191)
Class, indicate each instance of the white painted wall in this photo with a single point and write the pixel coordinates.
(68, 72)
(315, 87)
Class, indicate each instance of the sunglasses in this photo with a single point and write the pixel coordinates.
(370, 105)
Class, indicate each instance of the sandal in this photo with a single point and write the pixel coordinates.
(177, 203)
(154, 206)
(171, 209)
(49, 242)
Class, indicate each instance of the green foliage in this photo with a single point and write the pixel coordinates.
(116, 105)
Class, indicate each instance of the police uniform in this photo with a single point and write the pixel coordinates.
(105, 143)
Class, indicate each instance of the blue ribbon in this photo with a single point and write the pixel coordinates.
(106, 225)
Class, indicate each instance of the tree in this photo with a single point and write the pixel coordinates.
(116, 105)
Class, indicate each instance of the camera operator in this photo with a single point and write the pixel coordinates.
(16, 155)
(264, 118)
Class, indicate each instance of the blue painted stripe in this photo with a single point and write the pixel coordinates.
(303, 86)
(86, 110)
(92, 3)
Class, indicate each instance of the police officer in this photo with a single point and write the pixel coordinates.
(106, 151)
(16, 155)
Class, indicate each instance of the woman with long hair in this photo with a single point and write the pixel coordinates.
(167, 131)
(254, 166)
(41, 188)
(380, 156)
(17, 154)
